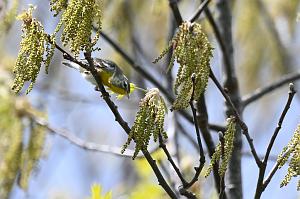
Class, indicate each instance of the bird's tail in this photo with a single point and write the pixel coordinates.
(72, 65)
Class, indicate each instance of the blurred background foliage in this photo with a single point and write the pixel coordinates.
(34, 165)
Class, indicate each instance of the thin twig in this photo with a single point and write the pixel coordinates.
(170, 159)
(223, 32)
(177, 15)
(135, 66)
(239, 120)
(202, 120)
(76, 141)
(166, 171)
(202, 156)
(83, 144)
(260, 92)
(118, 117)
(222, 178)
(262, 170)
(216, 127)
(271, 26)
(292, 93)
(124, 125)
(150, 78)
(176, 141)
(186, 193)
(200, 9)
(273, 171)
(219, 38)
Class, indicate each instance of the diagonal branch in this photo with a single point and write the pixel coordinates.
(170, 159)
(202, 156)
(260, 92)
(175, 10)
(239, 119)
(223, 34)
(292, 92)
(200, 9)
(150, 78)
(273, 171)
(202, 120)
(76, 141)
(219, 38)
(105, 95)
(260, 187)
(124, 125)
(271, 26)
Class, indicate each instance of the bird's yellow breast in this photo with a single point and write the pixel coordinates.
(105, 77)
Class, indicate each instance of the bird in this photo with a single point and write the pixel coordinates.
(111, 76)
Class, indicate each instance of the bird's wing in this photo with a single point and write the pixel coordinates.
(74, 66)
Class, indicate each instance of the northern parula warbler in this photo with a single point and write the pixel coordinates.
(111, 75)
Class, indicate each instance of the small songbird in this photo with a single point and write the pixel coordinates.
(111, 75)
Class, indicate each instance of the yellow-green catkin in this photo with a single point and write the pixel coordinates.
(77, 21)
(224, 149)
(292, 151)
(34, 45)
(149, 121)
(58, 5)
(31, 154)
(9, 167)
(11, 142)
(33, 149)
(192, 50)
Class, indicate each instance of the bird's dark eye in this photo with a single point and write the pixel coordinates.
(86, 72)
(125, 84)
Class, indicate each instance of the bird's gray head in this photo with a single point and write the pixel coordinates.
(105, 64)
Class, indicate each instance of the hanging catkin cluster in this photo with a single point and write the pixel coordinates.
(77, 21)
(11, 142)
(58, 5)
(149, 121)
(224, 149)
(293, 151)
(34, 45)
(192, 50)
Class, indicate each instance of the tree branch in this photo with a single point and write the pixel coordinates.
(216, 127)
(76, 141)
(200, 9)
(222, 179)
(202, 120)
(239, 120)
(270, 24)
(272, 172)
(177, 15)
(118, 117)
(150, 78)
(124, 125)
(202, 156)
(260, 187)
(170, 159)
(292, 93)
(186, 193)
(260, 92)
(217, 32)
(223, 33)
